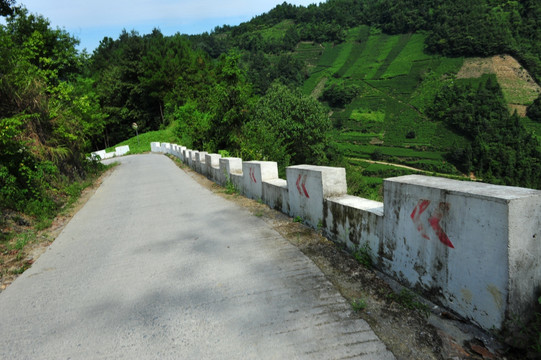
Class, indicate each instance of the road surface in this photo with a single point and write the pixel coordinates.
(155, 266)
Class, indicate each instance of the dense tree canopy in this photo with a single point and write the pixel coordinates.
(501, 149)
(6, 7)
(534, 110)
(48, 113)
(455, 28)
(287, 127)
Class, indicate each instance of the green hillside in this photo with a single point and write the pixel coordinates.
(396, 81)
(380, 81)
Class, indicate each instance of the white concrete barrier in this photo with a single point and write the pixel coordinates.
(308, 186)
(230, 166)
(155, 147)
(257, 172)
(213, 166)
(472, 248)
(276, 195)
(200, 165)
(181, 150)
(354, 222)
(102, 154)
(122, 150)
(166, 147)
(98, 155)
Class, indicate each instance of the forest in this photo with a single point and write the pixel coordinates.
(246, 90)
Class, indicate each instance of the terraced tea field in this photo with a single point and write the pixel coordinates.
(397, 82)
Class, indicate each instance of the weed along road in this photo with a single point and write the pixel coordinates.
(155, 266)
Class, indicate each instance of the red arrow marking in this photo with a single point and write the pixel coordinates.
(416, 216)
(434, 222)
(252, 175)
(297, 183)
(304, 187)
(301, 187)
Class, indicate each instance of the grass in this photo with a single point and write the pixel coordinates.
(438, 74)
(357, 48)
(412, 50)
(21, 240)
(515, 91)
(398, 82)
(367, 115)
(230, 188)
(277, 31)
(534, 127)
(140, 144)
(382, 51)
(20, 230)
(358, 305)
(362, 255)
(308, 52)
(402, 41)
(333, 60)
(409, 300)
(365, 151)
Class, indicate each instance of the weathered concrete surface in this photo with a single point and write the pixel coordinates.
(474, 247)
(276, 194)
(354, 222)
(309, 185)
(122, 150)
(156, 267)
(257, 172)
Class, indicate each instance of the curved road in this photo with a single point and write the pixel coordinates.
(155, 266)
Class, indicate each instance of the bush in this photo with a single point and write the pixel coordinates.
(377, 155)
(411, 134)
(340, 95)
(534, 110)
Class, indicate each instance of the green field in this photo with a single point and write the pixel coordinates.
(397, 82)
(140, 144)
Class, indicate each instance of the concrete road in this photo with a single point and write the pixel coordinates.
(155, 266)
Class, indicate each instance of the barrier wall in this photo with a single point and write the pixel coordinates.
(473, 248)
(119, 151)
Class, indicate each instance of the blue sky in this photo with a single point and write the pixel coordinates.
(91, 20)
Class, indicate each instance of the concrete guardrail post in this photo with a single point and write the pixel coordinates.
(200, 165)
(472, 247)
(229, 166)
(165, 148)
(213, 166)
(181, 153)
(255, 173)
(189, 157)
(155, 147)
(276, 194)
(308, 186)
(122, 150)
(354, 222)
(98, 155)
